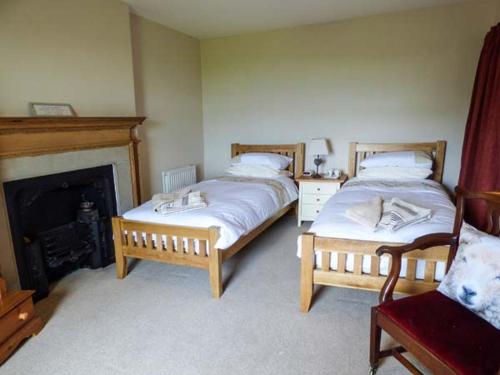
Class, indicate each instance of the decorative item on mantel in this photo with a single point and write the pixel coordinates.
(318, 147)
(51, 110)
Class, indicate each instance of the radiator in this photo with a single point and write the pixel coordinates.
(178, 178)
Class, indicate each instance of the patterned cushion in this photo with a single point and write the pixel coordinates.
(474, 277)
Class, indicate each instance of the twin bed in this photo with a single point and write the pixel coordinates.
(339, 252)
(239, 210)
(335, 251)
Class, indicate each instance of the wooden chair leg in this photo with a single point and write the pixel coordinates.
(121, 260)
(306, 272)
(375, 336)
(215, 272)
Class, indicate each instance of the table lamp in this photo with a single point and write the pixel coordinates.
(317, 147)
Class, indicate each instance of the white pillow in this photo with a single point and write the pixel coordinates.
(412, 159)
(394, 173)
(275, 161)
(474, 276)
(260, 171)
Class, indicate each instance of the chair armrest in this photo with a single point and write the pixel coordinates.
(420, 243)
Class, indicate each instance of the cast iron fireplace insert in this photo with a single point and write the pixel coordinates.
(60, 223)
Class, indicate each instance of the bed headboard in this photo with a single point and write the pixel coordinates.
(359, 151)
(296, 151)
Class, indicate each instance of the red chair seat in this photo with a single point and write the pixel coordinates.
(465, 342)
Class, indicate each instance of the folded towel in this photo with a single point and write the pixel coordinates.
(179, 201)
(366, 213)
(398, 214)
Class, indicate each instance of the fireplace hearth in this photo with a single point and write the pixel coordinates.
(60, 223)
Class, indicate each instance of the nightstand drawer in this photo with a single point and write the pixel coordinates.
(315, 198)
(320, 188)
(14, 319)
(310, 211)
(314, 194)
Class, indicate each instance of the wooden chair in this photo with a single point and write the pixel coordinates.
(443, 335)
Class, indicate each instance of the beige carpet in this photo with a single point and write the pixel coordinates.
(161, 320)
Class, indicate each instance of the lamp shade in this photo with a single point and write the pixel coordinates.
(318, 146)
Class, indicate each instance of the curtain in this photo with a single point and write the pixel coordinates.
(480, 169)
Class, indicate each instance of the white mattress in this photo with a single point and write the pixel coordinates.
(332, 222)
(235, 207)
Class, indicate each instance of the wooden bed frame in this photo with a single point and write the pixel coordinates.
(155, 242)
(311, 275)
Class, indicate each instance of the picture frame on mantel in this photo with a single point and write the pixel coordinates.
(51, 110)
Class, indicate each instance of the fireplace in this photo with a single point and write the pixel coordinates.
(60, 223)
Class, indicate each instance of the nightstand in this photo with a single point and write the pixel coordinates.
(314, 193)
(18, 319)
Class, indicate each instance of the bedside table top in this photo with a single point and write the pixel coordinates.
(341, 179)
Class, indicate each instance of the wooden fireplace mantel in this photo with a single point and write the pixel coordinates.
(32, 136)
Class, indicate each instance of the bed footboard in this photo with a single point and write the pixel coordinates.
(355, 277)
(187, 246)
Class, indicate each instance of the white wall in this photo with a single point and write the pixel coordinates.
(168, 91)
(400, 77)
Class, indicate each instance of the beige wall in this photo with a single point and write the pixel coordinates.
(70, 51)
(168, 91)
(80, 52)
(396, 77)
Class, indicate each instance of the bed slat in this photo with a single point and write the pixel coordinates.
(179, 244)
(411, 270)
(374, 266)
(430, 271)
(169, 244)
(325, 260)
(358, 264)
(341, 261)
(125, 238)
(129, 239)
(149, 241)
(203, 248)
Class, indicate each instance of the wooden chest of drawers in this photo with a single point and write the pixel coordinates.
(313, 194)
(18, 319)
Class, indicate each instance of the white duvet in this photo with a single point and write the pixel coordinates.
(332, 222)
(235, 207)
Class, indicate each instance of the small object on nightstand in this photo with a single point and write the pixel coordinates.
(314, 193)
(318, 147)
(18, 319)
(333, 173)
